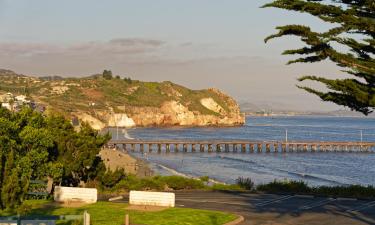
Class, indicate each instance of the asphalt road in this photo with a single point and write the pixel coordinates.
(282, 209)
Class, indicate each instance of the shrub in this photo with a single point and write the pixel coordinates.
(110, 179)
(180, 183)
(352, 191)
(24, 209)
(205, 178)
(226, 187)
(285, 187)
(245, 183)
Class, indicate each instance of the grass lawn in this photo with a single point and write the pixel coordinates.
(106, 213)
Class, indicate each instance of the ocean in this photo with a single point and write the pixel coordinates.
(314, 168)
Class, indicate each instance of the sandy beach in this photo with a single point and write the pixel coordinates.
(114, 159)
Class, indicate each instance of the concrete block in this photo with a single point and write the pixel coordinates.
(163, 199)
(69, 194)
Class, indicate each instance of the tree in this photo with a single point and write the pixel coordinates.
(11, 190)
(34, 147)
(107, 74)
(353, 29)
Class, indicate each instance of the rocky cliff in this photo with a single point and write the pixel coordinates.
(124, 102)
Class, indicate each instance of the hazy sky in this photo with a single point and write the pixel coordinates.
(196, 43)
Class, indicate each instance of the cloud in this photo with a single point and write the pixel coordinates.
(136, 42)
(120, 46)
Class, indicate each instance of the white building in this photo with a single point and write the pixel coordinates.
(21, 98)
(6, 97)
(6, 105)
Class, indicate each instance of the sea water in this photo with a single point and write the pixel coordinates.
(313, 168)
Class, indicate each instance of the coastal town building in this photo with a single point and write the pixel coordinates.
(15, 103)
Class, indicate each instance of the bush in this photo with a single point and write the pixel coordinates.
(245, 183)
(160, 183)
(285, 187)
(352, 191)
(205, 178)
(110, 179)
(24, 209)
(181, 183)
(226, 187)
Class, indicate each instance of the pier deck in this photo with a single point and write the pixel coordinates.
(242, 146)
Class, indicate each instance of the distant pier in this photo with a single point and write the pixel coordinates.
(238, 146)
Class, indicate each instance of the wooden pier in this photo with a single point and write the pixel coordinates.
(238, 146)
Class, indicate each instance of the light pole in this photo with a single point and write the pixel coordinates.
(286, 135)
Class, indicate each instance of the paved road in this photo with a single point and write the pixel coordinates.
(282, 209)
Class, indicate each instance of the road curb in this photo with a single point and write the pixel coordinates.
(239, 220)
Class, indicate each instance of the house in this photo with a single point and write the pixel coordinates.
(6, 105)
(21, 98)
(6, 97)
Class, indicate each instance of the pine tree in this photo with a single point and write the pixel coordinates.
(354, 28)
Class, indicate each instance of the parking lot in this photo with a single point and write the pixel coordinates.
(282, 209)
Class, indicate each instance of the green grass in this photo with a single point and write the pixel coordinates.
(106, 213)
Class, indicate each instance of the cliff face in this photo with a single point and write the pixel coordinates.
(171, 113)
(127, 103)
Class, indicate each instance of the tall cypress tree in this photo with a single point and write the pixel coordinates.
(354, 28)
(10, 188)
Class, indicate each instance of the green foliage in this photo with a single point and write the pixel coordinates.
(181, 183)
(351, 191)
(205, 178)
(348, 17)
(24, 209)
(128, 80)
(11, 191)
(107, 74)
(245, 183)
(157, 183)
(298, 187)
(110, 179)
(34, 147)
(226, 187)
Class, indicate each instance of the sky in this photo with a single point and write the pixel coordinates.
(196, 43)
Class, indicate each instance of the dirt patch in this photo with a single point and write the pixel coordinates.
(147, 208)
(93, 94)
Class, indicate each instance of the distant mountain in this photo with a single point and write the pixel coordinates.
(281, 109)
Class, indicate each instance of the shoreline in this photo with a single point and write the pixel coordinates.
(174, 172)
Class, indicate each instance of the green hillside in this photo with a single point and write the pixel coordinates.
(97, 92)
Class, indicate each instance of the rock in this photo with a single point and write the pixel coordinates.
(120, 120)
(210, 104)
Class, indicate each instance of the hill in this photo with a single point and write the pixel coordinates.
(113, 101)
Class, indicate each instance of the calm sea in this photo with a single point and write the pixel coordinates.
(314, 168)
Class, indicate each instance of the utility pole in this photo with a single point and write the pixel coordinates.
(116, 132)
(286, 135)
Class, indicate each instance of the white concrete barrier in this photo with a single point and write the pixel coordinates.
(69, 194)
(8, 222)
(152, 198)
